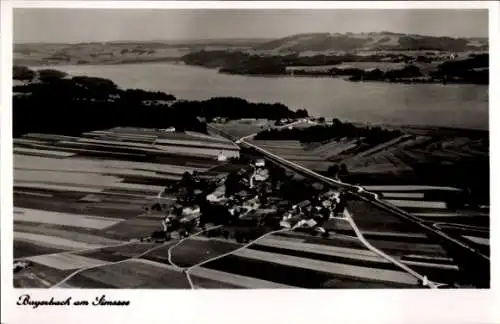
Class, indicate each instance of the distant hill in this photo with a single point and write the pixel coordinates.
(379, 41)
(116, 52)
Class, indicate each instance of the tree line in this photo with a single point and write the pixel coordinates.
(319, 133)
(245, 63)
(49, 101)
(456, 71)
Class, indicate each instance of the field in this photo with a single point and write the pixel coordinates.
(87, 193)
(284, 260)
(130, 274)
(311, 68)
(84, 213)
(39, 276)
(281, 260)
(383, 66)
(368, 43)
(259, 266)
(395, 159)
(403, 156)
(471, 225)
(44, 217)
(315, 158)
(420, 171)
(240, 128)
(117, 52)
(414, 172)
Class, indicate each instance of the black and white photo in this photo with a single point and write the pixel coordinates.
(154, 153)
(342, 149)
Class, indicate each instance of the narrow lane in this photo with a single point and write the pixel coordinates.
(375, 199)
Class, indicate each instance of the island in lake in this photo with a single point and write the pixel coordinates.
(378, 56)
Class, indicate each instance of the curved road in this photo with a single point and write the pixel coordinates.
(360, 192)
(423, 279)
(466, 255)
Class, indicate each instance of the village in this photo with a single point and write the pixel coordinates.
(201, 207)
(247, 203)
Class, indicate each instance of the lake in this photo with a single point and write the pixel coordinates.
(464, 106)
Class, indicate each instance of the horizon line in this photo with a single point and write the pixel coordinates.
(240, 38)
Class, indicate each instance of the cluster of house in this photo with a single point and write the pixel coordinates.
(238, 204)
(247, 204)
(21, 265)
(260, 173)
(244, 201)
(219, 120)
(310, 215)
(284, 121)
(189, 214)
(168, 130)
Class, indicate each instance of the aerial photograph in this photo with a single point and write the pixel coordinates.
(251, 148)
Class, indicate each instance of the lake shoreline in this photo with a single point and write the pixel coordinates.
(347, 78)
(415, 105)
(256, 75)
(139, 62)
(178, 61)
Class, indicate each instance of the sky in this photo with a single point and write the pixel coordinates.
(99, 25)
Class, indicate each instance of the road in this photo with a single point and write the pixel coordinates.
(356, 189)
(422, 278)
(466, 255)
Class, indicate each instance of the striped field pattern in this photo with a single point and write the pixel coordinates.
(468, 225)
(81, 193)
(76, 217)
(286, 260)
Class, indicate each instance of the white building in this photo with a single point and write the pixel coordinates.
(186, 211)
(221, 157)
(169, 130)
(284, 223)
(217, 195)
(166, 222)
(326, 203)
(311, 223)
(251, 204)
(261, 175)
(190, 213)
(260, 163)
(234, 209)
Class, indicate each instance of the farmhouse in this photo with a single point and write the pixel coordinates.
(191, 212)
(221, 157)
(217, 195)
(242, 195)
(259, 214)
(261, 175)
(251, 204)
(169, 130)
(326, 203)
(302, 204)
(260, 163)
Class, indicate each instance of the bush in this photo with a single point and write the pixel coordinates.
(48, 75)
(22, 73)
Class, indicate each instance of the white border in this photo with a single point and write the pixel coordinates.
(151, 306)
(254, 5)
